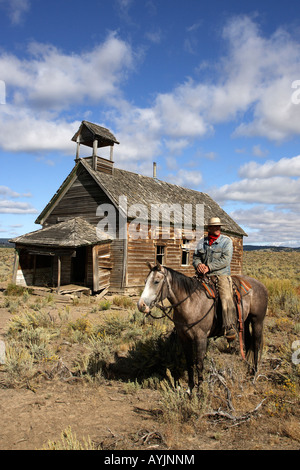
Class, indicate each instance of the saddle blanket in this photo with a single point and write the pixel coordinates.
(241, 285)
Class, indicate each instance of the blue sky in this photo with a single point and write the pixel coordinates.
(208, 90)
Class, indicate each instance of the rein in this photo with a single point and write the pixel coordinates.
(167, 310)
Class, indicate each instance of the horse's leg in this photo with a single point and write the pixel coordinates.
(247, 336)
(257, 334)
(201, 346)
(253, 341)
(187, 346)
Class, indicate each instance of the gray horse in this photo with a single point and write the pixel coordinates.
(194, 313)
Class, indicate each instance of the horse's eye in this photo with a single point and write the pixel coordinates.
(156, 282)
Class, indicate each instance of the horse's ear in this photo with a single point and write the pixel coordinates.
(150, 266)
(159, 266)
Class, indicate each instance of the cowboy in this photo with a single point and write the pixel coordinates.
(212, 257)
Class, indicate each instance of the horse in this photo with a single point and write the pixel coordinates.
(194, 314)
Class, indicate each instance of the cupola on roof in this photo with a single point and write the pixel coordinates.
(89, 132)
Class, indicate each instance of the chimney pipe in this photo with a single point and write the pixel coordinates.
(77, 148)
(154, 169)
(95, 147)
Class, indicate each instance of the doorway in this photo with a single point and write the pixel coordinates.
(78, 267)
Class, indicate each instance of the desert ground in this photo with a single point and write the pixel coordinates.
(91, 373)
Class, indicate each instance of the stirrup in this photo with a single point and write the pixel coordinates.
(230, 334)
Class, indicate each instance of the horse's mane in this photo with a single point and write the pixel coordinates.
(189, 284)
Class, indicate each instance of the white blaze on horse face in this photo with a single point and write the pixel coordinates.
(150, 292)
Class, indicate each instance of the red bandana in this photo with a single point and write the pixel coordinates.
(212, 238)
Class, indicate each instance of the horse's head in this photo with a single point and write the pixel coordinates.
(154, 288)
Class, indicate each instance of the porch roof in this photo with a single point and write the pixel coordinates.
(71, 233)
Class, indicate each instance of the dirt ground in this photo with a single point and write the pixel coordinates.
(114, 419)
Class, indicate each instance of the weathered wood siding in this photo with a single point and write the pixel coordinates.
(104, 265)
(32, 270)
(118, 260)
(81, 200)
(141, 251)
(127, 258)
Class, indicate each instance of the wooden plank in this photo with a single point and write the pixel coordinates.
(102, 293)
(95, 269)
(45, 293)
(73, 288)
(58, 273)
(15, 268)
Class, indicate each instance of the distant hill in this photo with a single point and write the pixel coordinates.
(269, 248)
(5, 243)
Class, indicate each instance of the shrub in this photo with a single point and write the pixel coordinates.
(155, 354)
(14, 290)
(19, 364)
(104, 305)
(282, 296)
(29, 319)
(68, 441)
(100, 353)
(122, 301)
(178, 407)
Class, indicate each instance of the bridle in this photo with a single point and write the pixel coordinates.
(167, 310)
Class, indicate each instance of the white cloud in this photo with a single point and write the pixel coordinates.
(274, 190)
(7, 192)
(44, 86)
(175, 146)
(35, 133)
(185, 178)
(255, 75)
(16, 9)
(259, 152)
(283, 167)
(51, 79)
(154, 36)
(9, 205)
(253, 79)
(269, 226)
(252, 87)
(12, 207)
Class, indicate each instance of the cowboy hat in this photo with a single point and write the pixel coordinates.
(214, 221)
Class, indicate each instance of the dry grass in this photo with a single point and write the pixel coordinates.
(109, 345)
(6, 264)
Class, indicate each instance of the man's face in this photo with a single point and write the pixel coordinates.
(214, 230)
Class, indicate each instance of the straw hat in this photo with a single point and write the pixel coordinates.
(214, 221)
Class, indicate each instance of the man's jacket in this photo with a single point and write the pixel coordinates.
(217, 256)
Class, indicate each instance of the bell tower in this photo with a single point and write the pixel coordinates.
(95, 136)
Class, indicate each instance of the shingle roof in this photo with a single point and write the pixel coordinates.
(145, 190)
(71, 233)
(140, 189)
(88, 132)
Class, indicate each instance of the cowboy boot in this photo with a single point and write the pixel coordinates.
(228, 315)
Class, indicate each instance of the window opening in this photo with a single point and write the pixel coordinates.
(185, 253)
(160, 254)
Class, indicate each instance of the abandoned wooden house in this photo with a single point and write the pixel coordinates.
(75, 246)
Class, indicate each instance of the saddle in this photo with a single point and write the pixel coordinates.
(240, 289)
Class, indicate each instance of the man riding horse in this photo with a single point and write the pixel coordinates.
(212, 257)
